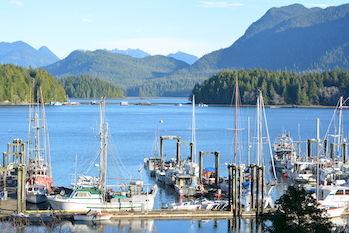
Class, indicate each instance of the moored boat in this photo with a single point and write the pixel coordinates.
(129, 196)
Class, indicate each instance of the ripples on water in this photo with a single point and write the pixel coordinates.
(74, 132)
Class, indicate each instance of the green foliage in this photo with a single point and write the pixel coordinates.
(89, 87)
(119, 69)
(20, 85)
(277, 87)
(297, 212)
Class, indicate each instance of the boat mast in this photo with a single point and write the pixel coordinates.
(103, 148)
(236, 97)
(340, 122)
(318, 157)
(259, 129)
(44, 126)
(30, 118)
(249, 146)
(193, 130)
(36, 120)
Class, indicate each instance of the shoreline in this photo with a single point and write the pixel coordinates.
(86, 101)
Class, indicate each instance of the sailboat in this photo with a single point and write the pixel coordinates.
(99, 197)
(39, 181)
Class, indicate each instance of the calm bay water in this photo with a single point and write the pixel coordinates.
(74, 134)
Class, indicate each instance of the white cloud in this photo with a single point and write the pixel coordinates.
(18, 3)
(87, 18)
(220, 4)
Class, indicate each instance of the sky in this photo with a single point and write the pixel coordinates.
(155, 26)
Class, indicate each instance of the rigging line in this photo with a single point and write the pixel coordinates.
(268, 139)
(332, 119)
(90, 166)
(116, 158)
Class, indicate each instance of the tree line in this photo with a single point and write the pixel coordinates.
(90, 87)
(22, 85)
(278, 87)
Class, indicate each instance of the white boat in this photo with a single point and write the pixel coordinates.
(334, 196)
(188, 205)
(93, 216)
(131, 196)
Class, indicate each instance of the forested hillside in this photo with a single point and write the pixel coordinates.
(90, 87)
(277, 87)
(122, 70)
(17, 83)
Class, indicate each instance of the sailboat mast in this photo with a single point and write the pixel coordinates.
(37, 145)
(193, 130)
(248, 141)
(259, 129)
(103, 148)
(318, 158)
(340, 122)
(44, 126)
(236, 97)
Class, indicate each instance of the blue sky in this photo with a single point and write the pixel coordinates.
(156, 26)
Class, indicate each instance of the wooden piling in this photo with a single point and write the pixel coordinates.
(191, 152)
(344, 152)
(309, 148)
(332, 151)
(178, 152)
(21, 192)
(200, 166)
(230, 187)
(216, 154)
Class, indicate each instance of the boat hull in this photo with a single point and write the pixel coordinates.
(36, 198)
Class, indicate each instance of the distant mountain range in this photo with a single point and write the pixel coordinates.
(188, 58)
(120, 69)
(136, 53)
(293, 38)
(22, 54)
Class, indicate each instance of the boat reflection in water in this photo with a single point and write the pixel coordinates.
(144, 226)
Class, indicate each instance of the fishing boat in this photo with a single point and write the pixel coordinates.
(36, 193)
(129, 196)
(39, 181)
(285, 154)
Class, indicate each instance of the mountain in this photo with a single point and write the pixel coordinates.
(288, 38)
(136, 53)
(122, 70)
(22, 54)
(188, 58)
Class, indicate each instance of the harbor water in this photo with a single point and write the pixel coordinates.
(74, 142)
